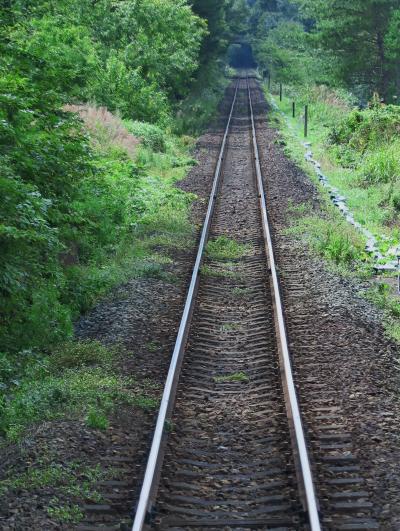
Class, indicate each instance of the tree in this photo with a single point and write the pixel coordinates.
(225, 19)
(392, 43)
(355, 32)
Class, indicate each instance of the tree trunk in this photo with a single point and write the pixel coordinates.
(383, 83)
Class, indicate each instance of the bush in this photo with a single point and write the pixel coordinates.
(122, 89)
(107, 131)
(150, 135)
(369, 128)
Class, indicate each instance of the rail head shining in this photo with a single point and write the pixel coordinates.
(293, 404)
(168, 398)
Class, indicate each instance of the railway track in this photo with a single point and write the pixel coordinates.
(229, 449)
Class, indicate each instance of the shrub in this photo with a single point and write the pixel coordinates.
(123, 89)
(363, 130)
(107, 130)
(150, 135)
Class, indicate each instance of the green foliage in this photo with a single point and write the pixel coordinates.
(332, 238)
(150, 135)
(97, 420)
(134, 57)
(363, 130)
(224, 248)
(124, 90)
(284, 53)
(76, 354)
(197, 110)
(381, 165)
(369, 141)
(228, 270)
(69, 482)
(240, 377)
(84, 208)
(383, 297)
(65, 55)
(355, 44)
(360, 37)
(60, 477)
(77, 379)
(69, 514)
(225, 19)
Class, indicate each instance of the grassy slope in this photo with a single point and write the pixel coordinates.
(330, 235)
(368, 203)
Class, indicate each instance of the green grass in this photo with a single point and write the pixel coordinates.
(75, 354)
(224, 248)
(330, 236)
(163, 225)
(70, 483)
(241, 292)
(229, 270)
(68, 514)
(381, 296)
(240, 377)
(153, 346)
(97, 419)
(78, 380)
(228, 327)
(373, 195)
(367, 188)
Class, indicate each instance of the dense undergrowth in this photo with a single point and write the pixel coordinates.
(96, 105)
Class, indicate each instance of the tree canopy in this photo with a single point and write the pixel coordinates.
(352, 43)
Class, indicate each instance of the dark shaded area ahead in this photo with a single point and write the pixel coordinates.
(241, 56)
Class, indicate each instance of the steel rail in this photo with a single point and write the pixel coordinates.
(293, 404)
(155, 457)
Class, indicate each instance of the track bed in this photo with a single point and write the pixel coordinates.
(229, 460)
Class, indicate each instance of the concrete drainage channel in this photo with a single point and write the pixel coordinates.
(384, 262)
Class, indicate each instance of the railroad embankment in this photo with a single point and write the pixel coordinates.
(353, 157)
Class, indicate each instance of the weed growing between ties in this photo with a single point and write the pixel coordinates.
(229, 270)
(239, 377)
(224, 248)
(228, 327)
(241, 292)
